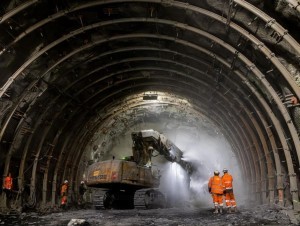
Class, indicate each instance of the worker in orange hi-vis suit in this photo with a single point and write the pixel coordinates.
(216, 188)
(228, 192)
(8, 182)
(64, 194)
(7, 188)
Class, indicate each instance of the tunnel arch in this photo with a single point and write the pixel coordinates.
(220, 57)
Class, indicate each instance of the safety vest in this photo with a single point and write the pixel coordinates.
(8, 183)
(227, 181)
(215, 183)
(64, 189)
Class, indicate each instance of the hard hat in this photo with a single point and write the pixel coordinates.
(82, 182)
(216, 172)
(225, 170)
(66, 181)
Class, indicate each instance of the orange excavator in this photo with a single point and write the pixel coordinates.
(130, 183)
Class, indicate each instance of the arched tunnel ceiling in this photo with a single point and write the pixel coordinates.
(72, 68)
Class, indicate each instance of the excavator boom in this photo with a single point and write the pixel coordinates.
(145, 142)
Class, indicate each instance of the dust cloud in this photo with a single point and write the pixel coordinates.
(208, 153)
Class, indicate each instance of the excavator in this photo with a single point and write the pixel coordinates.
(130, 182)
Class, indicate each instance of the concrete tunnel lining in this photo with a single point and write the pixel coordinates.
(265, 125)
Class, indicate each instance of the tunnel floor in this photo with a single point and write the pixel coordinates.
(260, 215)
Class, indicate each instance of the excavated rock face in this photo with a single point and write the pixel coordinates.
(76, 75)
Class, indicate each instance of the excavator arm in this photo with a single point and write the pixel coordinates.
(145, 142)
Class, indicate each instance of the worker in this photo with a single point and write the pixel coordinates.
(8, 183)
(82, 190)
(7, 188)
(228, 192)
(216, 188)
(64, 194)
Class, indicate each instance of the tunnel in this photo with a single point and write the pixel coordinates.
(77, 76)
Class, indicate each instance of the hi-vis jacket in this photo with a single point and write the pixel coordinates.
(8, 183)
(215, 184)
(64, 189)
(227, 181)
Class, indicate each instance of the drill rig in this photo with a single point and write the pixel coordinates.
(130, 183)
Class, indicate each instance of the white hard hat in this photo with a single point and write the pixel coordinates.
(216, 172)
(82, 182)
(225, 170)
(66, 181)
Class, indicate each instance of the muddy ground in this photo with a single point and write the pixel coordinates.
(261, 215)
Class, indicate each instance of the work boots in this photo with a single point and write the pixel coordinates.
(221, 209)
(216, 209)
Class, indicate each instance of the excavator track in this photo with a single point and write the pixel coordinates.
(149, 199)
(112, 199)
(139, 199)
(98, 196)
